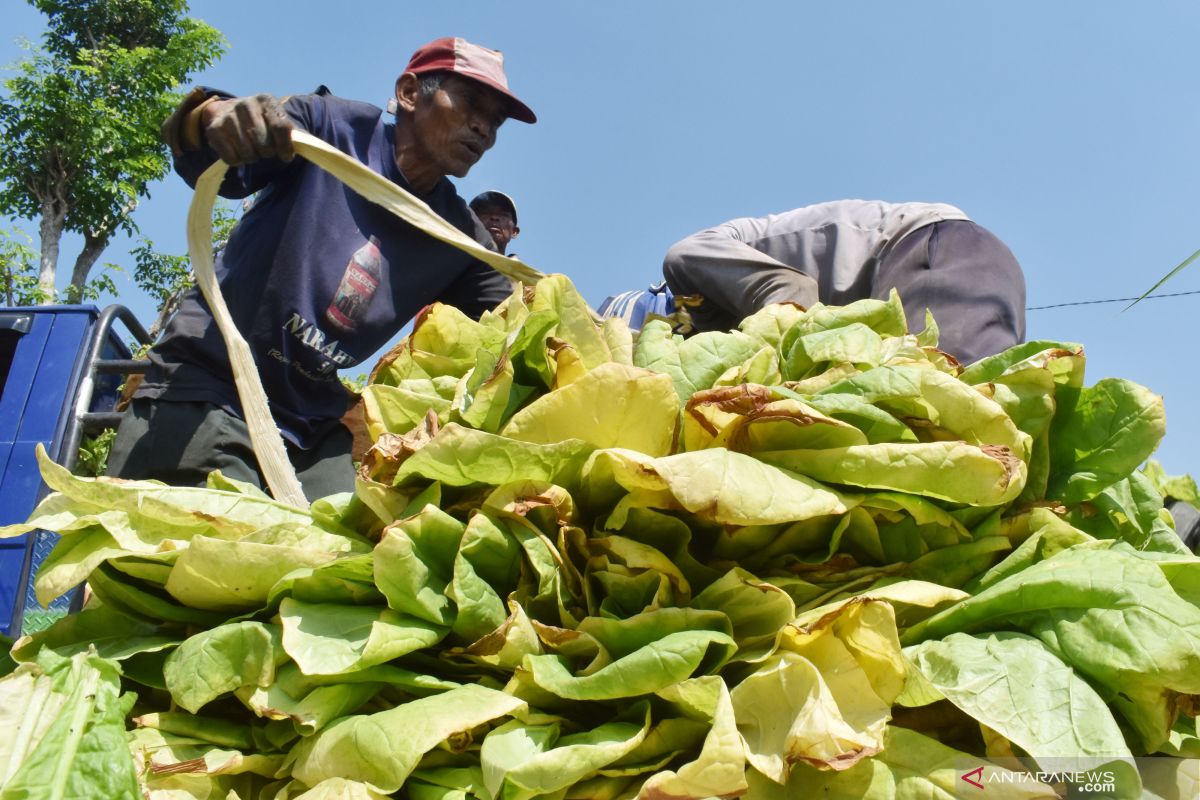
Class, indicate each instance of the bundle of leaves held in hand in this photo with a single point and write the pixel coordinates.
(811, 557)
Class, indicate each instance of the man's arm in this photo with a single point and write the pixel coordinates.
(732, 279)
(477, 290)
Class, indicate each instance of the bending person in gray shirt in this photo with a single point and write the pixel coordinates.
(848, 250)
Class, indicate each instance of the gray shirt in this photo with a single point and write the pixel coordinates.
(838, 243)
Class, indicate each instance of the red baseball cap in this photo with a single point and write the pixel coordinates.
(480, 64)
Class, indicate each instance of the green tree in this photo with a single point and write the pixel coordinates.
(80, 119)
(18, 271)
(166, 277)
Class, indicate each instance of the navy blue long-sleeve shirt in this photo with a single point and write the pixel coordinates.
(316, 278)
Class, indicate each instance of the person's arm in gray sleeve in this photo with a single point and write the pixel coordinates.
(732, 279)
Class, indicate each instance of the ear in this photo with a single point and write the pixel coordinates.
(516, 232)
(407, 92)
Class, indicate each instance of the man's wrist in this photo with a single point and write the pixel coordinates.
(191, 134)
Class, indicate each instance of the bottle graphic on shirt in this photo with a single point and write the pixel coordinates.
(359, 282)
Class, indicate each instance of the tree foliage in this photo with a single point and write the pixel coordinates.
(166, 277)
(18, 271)
(80, 119)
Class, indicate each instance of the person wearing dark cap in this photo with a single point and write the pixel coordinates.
(317, 278)
(498, 213)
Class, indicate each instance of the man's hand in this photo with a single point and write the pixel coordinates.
(247, 129)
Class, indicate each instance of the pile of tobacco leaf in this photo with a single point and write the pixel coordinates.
(811, 557)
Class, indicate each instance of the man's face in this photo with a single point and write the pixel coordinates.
(499, 222)
(455, 126)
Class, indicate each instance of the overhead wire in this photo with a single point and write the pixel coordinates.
(1111, 300)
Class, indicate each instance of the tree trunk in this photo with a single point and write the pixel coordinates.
(54, 217)
(93, 246)
(169, 307)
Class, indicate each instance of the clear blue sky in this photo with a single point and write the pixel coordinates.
(1069, 129)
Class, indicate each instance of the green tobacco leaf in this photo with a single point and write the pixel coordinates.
(177, 512)
(1028, 397)
(898, 527)
(852, 344)
(56, 512)
(487, 564)
(914, 393)
(487, 395)
(1111, 616)
(885, 317)
(186, 767)
(414, 562)
(719, 769)
(875, 423)
(613, 405)
(151, 569)
(761, 368)
(347, 580)
(930, 335)
(400, 408)
(911, 601)
(758, 610)
(459, 456)
(825, 697)
(1048, 534)
(113, 635)
(1130, 510)
(73, 558)
(911, 767)
(619, 339)
(508, 645)
(574, 325)
(327, 639)
(715, 484)
(221, 660)
(1172, 487)
(147, 601)
(220, 575)
(382, 749)
(341, 789)
(445, 340)
(953, 471)
(207, 729)
(747, 419)
(521, 762)
(314, 708)
(1101, 437)
(1062, 359)
(531, 359)
(694, 363)
(1013, 684)
(772, 322)
(655, 666)
(64, 720)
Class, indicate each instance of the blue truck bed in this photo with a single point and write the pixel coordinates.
(47, 370)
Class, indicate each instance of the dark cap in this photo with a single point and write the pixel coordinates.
(451, 54)
(494, 197)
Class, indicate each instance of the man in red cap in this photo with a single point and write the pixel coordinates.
(317, 279)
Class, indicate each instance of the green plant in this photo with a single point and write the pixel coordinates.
(93, 453)
(80, 120)
(812, 557)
